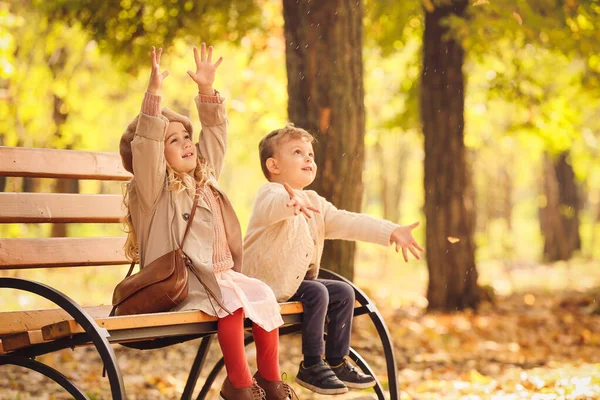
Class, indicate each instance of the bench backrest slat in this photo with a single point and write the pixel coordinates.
(60, 207)
(61, 252)
(52, 163)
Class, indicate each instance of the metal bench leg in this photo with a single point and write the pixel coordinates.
(384, 334)
(45, 370)
(362, 364)
(196, 367)
(98, 335)
(388, 350)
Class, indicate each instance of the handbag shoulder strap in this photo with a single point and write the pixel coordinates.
(189, 224)
(187, 228)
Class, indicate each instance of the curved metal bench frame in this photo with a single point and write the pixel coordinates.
(26, 357)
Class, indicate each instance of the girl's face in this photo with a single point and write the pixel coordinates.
(180, 151)
(293, 163)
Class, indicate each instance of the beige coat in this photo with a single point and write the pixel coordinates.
(156, 211)
(282, 249)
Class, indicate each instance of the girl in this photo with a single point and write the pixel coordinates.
(158, 149)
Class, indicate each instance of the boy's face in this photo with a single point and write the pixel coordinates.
(180, 151)
(293, 163)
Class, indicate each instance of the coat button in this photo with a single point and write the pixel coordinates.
(186, 216)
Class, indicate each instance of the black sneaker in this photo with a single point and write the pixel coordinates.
(352, 377)
(320, 379)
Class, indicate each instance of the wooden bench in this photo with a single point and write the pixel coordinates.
(27, 334)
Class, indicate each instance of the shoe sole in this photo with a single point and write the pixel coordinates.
(354, 385)
(321, 390)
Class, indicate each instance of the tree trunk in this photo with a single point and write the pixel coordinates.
(449, 213)
(559, 218)
(326, 97)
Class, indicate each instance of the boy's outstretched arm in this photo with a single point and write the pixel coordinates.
(346, 225)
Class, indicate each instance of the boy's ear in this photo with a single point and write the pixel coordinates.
(272, 166)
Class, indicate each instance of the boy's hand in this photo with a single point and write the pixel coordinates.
(403, 237)
(299, 204)
(205, 70)
(156, 77)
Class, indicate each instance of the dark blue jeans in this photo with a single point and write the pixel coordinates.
(326, 299)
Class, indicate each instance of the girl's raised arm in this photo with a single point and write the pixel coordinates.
(212, 141)
(147, 146)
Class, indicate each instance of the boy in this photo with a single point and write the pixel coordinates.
(291, 221)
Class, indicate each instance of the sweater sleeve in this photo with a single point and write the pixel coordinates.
(270, 206)
(212, 142)
(346, 225)
(148, 153)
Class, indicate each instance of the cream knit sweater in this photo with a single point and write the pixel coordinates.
(282, 249)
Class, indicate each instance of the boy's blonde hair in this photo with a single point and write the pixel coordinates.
(269, 145)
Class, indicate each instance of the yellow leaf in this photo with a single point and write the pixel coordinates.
(518, 17)
(476, 377)
(453, 240)
(429, 6)
(529, 299)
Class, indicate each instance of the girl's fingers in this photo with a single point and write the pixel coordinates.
(219, 61)
(405, 254)
(196, 57)
(164, 74)
(210, 49)
(203, 52)
(158, 56)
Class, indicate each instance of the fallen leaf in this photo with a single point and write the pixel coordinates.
(518, 17)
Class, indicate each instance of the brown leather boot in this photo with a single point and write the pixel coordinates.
(275, 390)
(230, 392)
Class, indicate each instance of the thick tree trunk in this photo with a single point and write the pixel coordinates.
(559, 218)
(326, 97)
(449, 214)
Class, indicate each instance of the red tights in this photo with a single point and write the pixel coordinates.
(231, 338)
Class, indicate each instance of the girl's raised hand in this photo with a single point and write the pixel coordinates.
(404, 239)
(205, 69)
(156, 77)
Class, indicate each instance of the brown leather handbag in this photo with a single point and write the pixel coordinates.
(159, 286)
